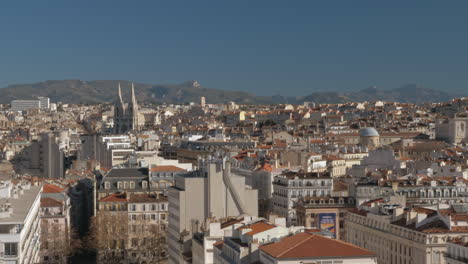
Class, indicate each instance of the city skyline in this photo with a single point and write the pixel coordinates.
(265, 47)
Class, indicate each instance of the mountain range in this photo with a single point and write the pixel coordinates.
(86, 92)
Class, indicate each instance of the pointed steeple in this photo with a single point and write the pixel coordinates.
(134, 102)
(134, 109)
(120, 95)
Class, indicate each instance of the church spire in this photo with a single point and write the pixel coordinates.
(134, 102)
(120, 95)
(135, 109)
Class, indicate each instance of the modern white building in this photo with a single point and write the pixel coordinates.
(113, 150)
(24, 105)
(19, 222)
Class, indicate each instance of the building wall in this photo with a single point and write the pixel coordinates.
(394, 244)
(193, 199)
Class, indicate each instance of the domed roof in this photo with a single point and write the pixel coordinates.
(368, 132)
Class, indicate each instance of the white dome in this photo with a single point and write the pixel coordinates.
(368, 132)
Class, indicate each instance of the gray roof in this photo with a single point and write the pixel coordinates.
(21, 205)
(128, 173)
(368, 132)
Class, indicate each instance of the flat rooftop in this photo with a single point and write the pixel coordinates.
(20, 205)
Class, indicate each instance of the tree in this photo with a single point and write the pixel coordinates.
(117, 238)
(148, 242)
(108, 236)
(58, 243)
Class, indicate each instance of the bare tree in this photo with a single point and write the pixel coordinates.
(56, 244)
(108, 236)
(148, 241)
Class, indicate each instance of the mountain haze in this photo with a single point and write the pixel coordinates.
(78, 91)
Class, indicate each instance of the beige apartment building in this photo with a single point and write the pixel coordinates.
(416, 236)
(210, 192)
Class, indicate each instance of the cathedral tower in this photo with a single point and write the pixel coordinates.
(125, 114)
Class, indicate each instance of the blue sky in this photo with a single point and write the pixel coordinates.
(266, 47)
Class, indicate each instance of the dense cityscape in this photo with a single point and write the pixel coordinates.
(123, 182)
(233, 132)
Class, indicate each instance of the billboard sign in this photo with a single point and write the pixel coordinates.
(328, 221)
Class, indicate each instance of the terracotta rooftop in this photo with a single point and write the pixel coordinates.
(306, 245)
(115, 197)
(266, 167)
(51, 188)
(257, 227)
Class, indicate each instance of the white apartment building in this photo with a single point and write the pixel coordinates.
(113, 150)
(289, 186)
(19, 223)
(242, 246)
(203, 242)
(24, 105)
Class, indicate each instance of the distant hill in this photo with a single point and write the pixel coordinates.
(78, 91)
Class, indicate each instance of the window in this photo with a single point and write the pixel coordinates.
(134, 242)
(163, 216)
(132, 207)
(153, 217)
(107, 185)
(11, 249)
(163, 207)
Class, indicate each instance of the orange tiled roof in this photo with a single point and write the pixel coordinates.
(51, 188)
(306, 245)
(257, 227)
(115, 197)
(266, 167)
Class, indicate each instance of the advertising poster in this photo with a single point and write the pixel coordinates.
(328, 221)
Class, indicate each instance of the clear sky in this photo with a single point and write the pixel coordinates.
(268, 47)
